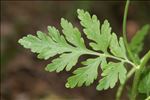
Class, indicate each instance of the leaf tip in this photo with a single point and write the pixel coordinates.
(67, 85)
(80, 11)
(49, 27)
(46, 69)
(62, 19)
(19, 41)
(98, 88)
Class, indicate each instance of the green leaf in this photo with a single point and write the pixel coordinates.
(73, 35)
(148, 98)
(70, 46)
(91, 26)
(136, 43)
(44, 45)
(117, 48)
(85, 74)
(111, 74)
(49, 45)
(144, 85)
(67, 60)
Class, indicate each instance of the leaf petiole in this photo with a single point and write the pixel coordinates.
(113, 57)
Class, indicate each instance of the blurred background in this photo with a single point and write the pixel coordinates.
(22, 74)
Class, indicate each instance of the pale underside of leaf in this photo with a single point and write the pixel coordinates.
(71, 46)
(117, 48)
(111, 74)
(86, 74)
(72, 34)
(91, 26)
(67, 60)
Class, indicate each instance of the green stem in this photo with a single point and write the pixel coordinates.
(125, 33)
(120, 89)
(111, 56)
(138, 74)
(125, 21)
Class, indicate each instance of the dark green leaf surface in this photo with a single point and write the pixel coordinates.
(136, 43)
(144, 85)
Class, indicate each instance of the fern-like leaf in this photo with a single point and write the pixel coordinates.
(71, 46)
